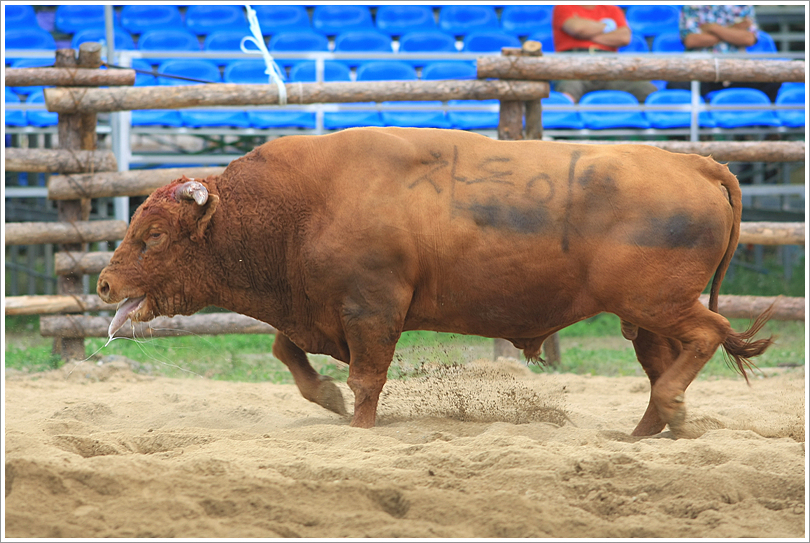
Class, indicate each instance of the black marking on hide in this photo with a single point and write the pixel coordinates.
(677, 231)
(569, 201)
(494, 214)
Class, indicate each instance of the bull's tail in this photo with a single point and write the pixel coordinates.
(729, 182)
(739, 346)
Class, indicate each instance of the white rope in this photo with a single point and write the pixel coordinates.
(716, 69)
(275, 75)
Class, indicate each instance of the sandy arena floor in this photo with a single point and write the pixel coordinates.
(491, 450)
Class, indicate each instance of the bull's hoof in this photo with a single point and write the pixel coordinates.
(693, 429)
(329, 396)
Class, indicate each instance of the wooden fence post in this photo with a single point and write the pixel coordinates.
(76, 132)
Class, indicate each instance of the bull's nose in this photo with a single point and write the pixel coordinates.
(103, 289)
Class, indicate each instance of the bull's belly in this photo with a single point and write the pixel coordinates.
(498, 312)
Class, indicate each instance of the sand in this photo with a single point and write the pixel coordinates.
(485, 450)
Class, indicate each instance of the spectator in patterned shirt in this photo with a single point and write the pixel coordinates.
(720, 29)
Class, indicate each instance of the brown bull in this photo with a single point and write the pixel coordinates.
(344, 241)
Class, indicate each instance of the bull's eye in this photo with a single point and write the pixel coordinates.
(153, 239)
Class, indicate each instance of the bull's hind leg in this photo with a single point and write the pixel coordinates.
(314, 387)
(656, 354)
(700, 332)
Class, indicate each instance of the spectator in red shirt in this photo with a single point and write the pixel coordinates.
(593, 29)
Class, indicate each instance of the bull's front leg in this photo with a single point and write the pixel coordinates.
(372, 339)
(313, 386)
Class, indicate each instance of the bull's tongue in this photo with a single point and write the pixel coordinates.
(125, 309)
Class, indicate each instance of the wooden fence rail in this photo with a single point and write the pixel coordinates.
(33, 233)
(59, 160)
(68, 77)
(80, 100)
(671, 68)
(731, 306)
(81, 326)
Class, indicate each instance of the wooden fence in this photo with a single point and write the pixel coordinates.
(86, 173)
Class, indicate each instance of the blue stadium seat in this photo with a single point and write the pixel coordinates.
(19, 16)
(13, 117)
(252, 71)
(27, 38)
(156, 117)
(296, 42)
(137, 19)
(741, 118)
(637, 45)
(653, 19)
(560, 119)
(399, 20)
(545, 37)
(764, 44)
(123, 40)
(489, 42)
(201, 69)
(142, 79)
(668, 42)
(414, 117)
(793, 118)
(385, 70)
(611, 119)
(473, 120)
(524, 20)
(460, 20)
(334, 19)
(206, 71)
(433, 41)
(167, 40)
(40, 118)
(396, 70)
(369, 71)
(30, 63)
(229, 41)
(276, 18)
(449, 69)
(784, 87)
(465, 120)
(203, 19)
(304, 71)
(71, 18)
(362, 41)
(674, 119)
(333, 71)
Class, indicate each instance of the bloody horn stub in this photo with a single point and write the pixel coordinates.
(192, 190)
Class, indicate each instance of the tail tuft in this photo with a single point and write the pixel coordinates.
(739, 347)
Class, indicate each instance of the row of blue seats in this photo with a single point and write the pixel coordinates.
(360, 41)
(519, 20)
(475, 120)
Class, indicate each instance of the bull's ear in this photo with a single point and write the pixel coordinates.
(195, 191)
(202, 222)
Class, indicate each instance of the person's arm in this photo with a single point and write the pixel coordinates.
(699, 40)
(583, 29)
(617, 38)
(736, 34)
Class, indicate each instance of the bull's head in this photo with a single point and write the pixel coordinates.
(158, 268)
